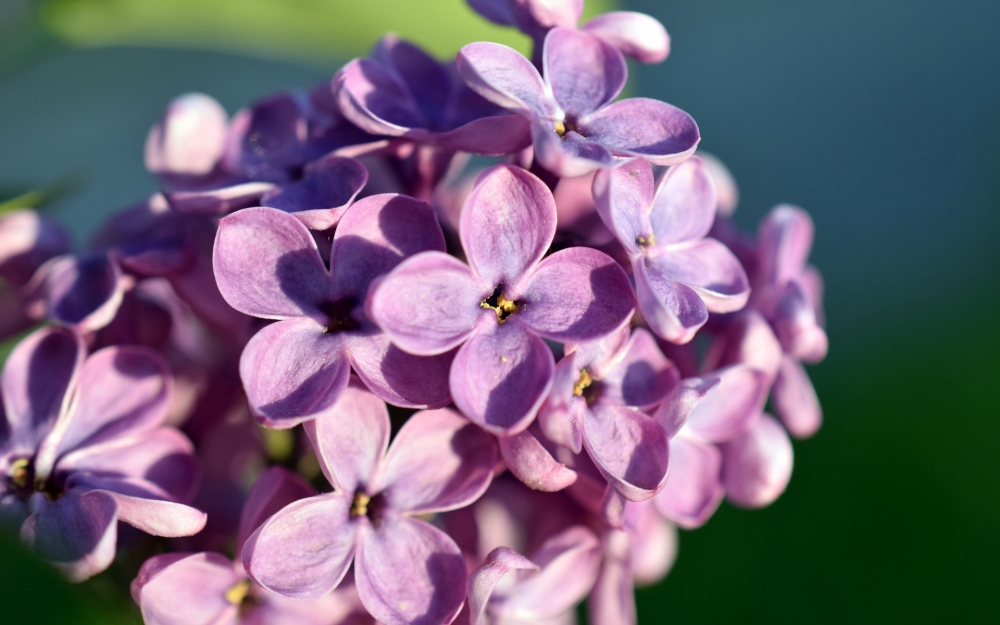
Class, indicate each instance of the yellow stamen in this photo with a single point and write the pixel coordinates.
(645, 242)
(582, 384)
(19, 473)
(504, 308)
(561, 129)
(359, 507)
(238, 592)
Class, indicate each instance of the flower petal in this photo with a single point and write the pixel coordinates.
(711, 270)
(577, 294)
(437, 462)
(190, 137)
(660, 133)
(494, 135)
(484, 579)
(427, 82)
(729, 409)
(27, 240)
(156, 516)
(77, 532)
(396, 377)
(188, 589)
(684, 207)
(219, 200)
(320, 199)
(500, 377)
(796, 325)
(747, 339)
(795, 401)
(757, 466)
(624, 195)
(694, 486)
(642, 377)
(629, 449)
(529, 459)
(267, 265)
(266, 140)
(612, 602)
(83, 292)
(507, 224)
(570, 155)
(785, 239)
(376, 99)
(305, 549)
(408, 571)
(506, 78)
(584, 72)
(674, 311)
(636, 34)
(274, 489)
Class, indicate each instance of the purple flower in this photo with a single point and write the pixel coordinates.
(406, 570)
(184, 588)
(576, 124)
(680, 275)
(186, 144)
(268, 265)
(82, 292)
(757, 465)
(499, 307)
(82, 447)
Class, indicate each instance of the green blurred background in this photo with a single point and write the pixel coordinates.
(880, 117)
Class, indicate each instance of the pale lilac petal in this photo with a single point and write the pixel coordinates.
(660, 133)
(267, 265)
(795, 401)
(27, 240)
(397, 377)
(796, 326)
(528, 458)
(673, 413)
(539, 15)
(694, 486)
(654, 546)
(321, 198)
(495, 135)
(569, 563)
(629, 449)
(612, 601)
(727, 410)
(575, 295)
(757, 466)
(684, 207)
(274, 489)
(82, 291)
(507, 224)
(642, 377)
(561, 416)
(376, 99)
(304, 550)
(584, 72)
(636, 34)
(409, 572)
(748, 339)
(484, 579)
(190, 137)
(77, 532)
(500, 377)
(375, 235)
(506, 78)
(350, 439)
(38, 374)
(727, 194)
(185, 590)
(438, 461)
(156, 516)
(429, 304)
(812, 285)
(218, 201)
(570, 155)
(711, 270)
(674, 311)
(623, 196)
(785, 238)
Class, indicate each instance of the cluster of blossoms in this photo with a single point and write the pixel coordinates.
(505, 383)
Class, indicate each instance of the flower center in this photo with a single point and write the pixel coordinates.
(645, 242)
(582, 383)
(23, 481)
(564, 126)
(339, 315)
(238, 592)
(359, 507)
(502, 306)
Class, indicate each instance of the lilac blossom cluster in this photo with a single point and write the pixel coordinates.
(504, 382)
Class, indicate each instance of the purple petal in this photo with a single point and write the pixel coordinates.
(636, 34)
(496, 11)
(756, 466)
(660, 133)
(748, 339)
(484, 579)
(730, 408)
(540, 15)
(274, 489)
(397, 377)
(409, 572)
(561, 416)
(569, 155)
(500, 377)
(506, 78)
(527, 457)
(427, 80)
(684, 207)
(220, 200)
(674, 311)
(507, 224)
(267, 265)
(694, 486)
(495, 135)
(320, 199)
(266, 140)
(190, 137)
(292, 370)
(612, 602)
(191, 588)
(375, 235)
(157, 516)
(577, 294)
(82, 291)
(76, 532)
(376, 99)
(795, 401)
(643, 376)
(304, 550)
(27, 240)
(351, 438)
(584, 72)
(623, 196)
(795, 325)
(438, 461)
(629, 448)
(673, 413)
(785, 238)
(654, 545)
(711, 270)
(36, 378)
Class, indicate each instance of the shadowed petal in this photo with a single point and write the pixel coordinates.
(506, 78)
(495, 135)
(77, 532)
(660, 133)
(673, 413)
(528, 458)
(561, 416)
(496, 11)
(376, 99)
(267, 265)
(410, 573)
(484, 579)
(507, 224)
(711, 270)
(642, 377)
(185, 590)
(684, 206)
(623, 196)
(304, 550)
(795, 401)
(674, 311)
(654, 545)
(694, 486)
(785, 238)
(500, 377)
(320, 199)
(796, 325)
(636, 34)
(629, 449)
(570, 155)
(218, 201)
(727, 410)
(438, 461)
(27, 240)
(274, 489)
(756, 466)
(577, 294)
(267, 139)
(190, 137)
(584, 72)
(397, 377)
(83, 292)
(748, 339)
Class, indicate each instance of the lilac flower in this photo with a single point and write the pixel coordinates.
(82, 292)
(501, 305)
(543, 588)
(268, 265)
(635, 34)
(81, 448)
(183, 588)
(757, 465)
(576, 125)
(187, 143)
(405, 569)
(680, 275)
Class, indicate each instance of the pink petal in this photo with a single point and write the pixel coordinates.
(636, 34)
(747, 339)
(504, 77)
(660, 133)
(624, 195)
(189, 139)
(77, 532)
(795, 401)
(786, 236)
(673, 310)
(484, 579)
(274, 489)
(629, 448)
(642, 377)
(560, 418)
(156, 516)
(570, 155)
(612, 602)
(654, 546)
(397, 377)
(710, 269)
(757, 466)
(694, 486)
(673, 413)
(684, 207)
(796, 325)
(528, 458)
(727, 410)
(185, 590)
(584, 72)
(495, 135)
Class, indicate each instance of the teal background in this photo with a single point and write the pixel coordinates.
(881, 118)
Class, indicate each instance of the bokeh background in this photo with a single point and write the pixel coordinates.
(880, 117)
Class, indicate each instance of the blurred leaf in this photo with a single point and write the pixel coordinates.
(43, 197)
(318, 30)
